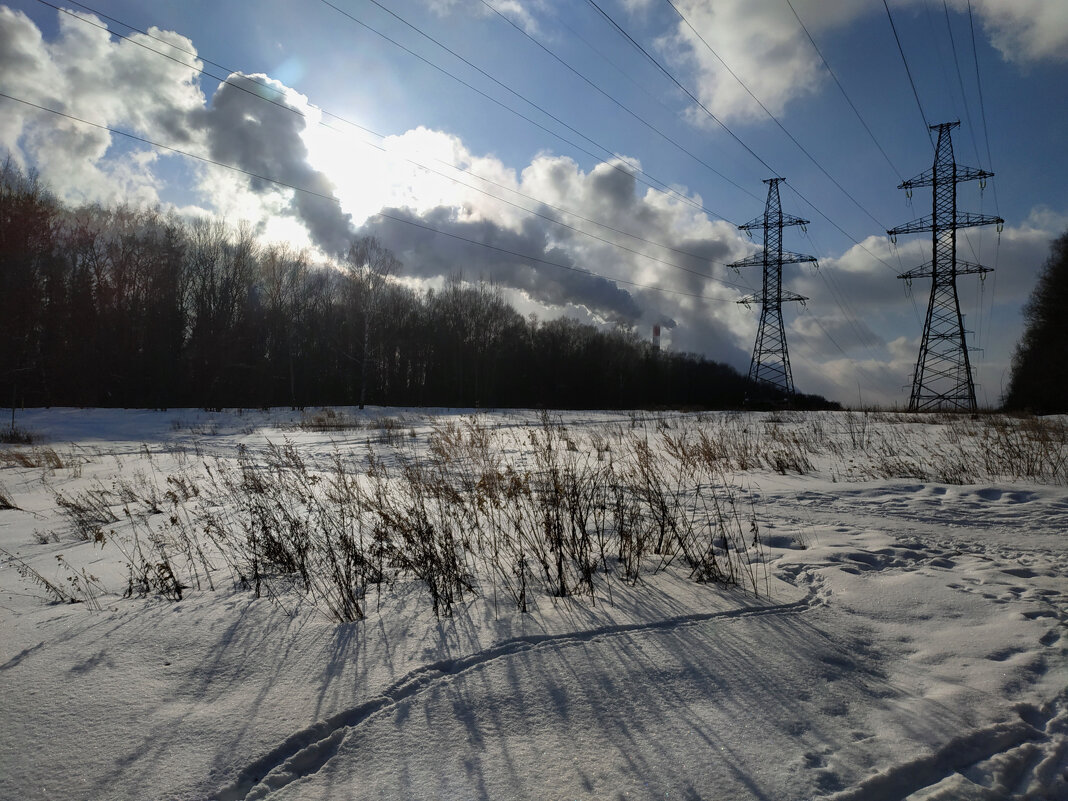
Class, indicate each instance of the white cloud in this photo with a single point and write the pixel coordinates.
(760, 42)
(1024, 30)
(765, 48)
(549, 185)
(87, 74)
(522, 12)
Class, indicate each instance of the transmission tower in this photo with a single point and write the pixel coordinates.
(943, 375)
(771, 359)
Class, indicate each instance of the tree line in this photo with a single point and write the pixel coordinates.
(1039, 380)
(135, 307)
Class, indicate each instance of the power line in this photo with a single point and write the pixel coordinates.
(622, 72)
(384, 215)
(661, 186)
(419, 165)
(934, 45)
(908, 72)
(671, 77)
(676, 81)
(838, 295)
(621, 105)
(224, 80)
(982, 106)
(990, 165)
(960, 82)
(356, 125)
(774, 119)
(860, 369)
(839, 228)
(841, 88)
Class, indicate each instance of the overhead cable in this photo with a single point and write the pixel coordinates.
(384, 215)
(841, 88)
(908, 72)
(648, 180)
(417, 164)
(774, 119)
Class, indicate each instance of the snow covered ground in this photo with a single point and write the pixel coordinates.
(908, 640)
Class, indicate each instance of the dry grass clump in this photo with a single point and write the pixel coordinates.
(1033, 448)
(5, 499)
(35, 458)
(328, 419)
(960, 449)
(79, 587)
(88, 511)
(507, 516)
(13, 435)
(513, 514)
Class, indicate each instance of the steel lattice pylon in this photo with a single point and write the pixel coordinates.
(771, 359)
(943, 375)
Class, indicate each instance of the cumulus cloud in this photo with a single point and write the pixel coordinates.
(87, 74)
(761, 43)
(557, 189)
(448, 249)
(1024, 30)
(256, 123)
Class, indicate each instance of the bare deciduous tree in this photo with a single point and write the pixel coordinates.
(370, 264)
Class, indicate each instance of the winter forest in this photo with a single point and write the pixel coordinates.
(129, 307)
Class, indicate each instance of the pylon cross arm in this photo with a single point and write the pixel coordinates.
(754, 260)
(966, 219)
(971, 174)
(789, 257)
(762, 258)
(789, 219)
(914, 227)
(969, 267)
(925, 178)
(917, 272)
(962, 268)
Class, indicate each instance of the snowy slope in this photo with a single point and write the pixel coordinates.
(908, 641)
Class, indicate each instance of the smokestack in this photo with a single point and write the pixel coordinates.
(656, 337)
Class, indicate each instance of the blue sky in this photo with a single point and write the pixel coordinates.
(857, 337)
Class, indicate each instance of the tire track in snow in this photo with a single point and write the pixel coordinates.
(901, 781)
(1045, 725)
(307, 751)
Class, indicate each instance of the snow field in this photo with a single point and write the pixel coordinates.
(907, 641)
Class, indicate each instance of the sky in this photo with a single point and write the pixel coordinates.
(592, 159)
